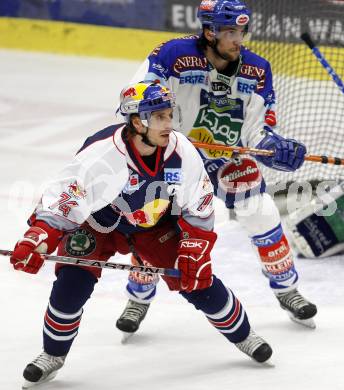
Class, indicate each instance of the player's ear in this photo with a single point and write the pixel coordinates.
(208, 34)
(137, 123)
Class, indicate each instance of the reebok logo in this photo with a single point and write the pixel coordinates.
(191, 244)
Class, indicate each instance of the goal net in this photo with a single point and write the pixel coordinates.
(310, 106)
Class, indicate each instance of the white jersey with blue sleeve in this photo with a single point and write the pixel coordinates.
(108, 185)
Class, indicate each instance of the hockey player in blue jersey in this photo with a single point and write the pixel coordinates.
(138, 187)
(225, 95)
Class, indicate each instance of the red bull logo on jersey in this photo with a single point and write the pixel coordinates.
(188, 63)
(149, 214)
(76, 190)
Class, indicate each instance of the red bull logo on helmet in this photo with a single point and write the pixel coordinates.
(130, 92)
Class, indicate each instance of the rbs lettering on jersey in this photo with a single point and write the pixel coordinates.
(172, 175)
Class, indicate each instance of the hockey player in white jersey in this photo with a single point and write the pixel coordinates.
(225, 95)
(138, 187)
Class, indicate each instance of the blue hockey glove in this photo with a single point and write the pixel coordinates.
(289, 154)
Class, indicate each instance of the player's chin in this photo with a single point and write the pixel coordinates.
(163, 139)
(233, 54)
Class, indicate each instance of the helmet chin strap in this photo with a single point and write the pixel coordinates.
(145, 139)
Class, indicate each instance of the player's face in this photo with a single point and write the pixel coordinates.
(229, 40)
(160, 126)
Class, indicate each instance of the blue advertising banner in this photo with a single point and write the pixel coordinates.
(147, 14)
(272, 20)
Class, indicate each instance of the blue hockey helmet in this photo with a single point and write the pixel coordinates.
(144, 98)
(214, 14)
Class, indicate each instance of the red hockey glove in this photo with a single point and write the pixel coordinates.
(40, 238)
(193, 259)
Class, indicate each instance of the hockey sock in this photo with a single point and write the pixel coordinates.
(277, 259)
(222, 309)
(141, 288)
(70, 291)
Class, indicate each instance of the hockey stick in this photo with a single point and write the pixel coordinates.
(174, 273)
(310, 43)
(262, 152)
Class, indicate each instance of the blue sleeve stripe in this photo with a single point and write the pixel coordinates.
(99, 136)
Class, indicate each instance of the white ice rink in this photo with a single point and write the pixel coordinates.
(48, 105)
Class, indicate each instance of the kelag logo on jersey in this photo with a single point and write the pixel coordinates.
(172, 175)
(220, 125)
(219, 121)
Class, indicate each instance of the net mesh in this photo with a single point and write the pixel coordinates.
(310, 105)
